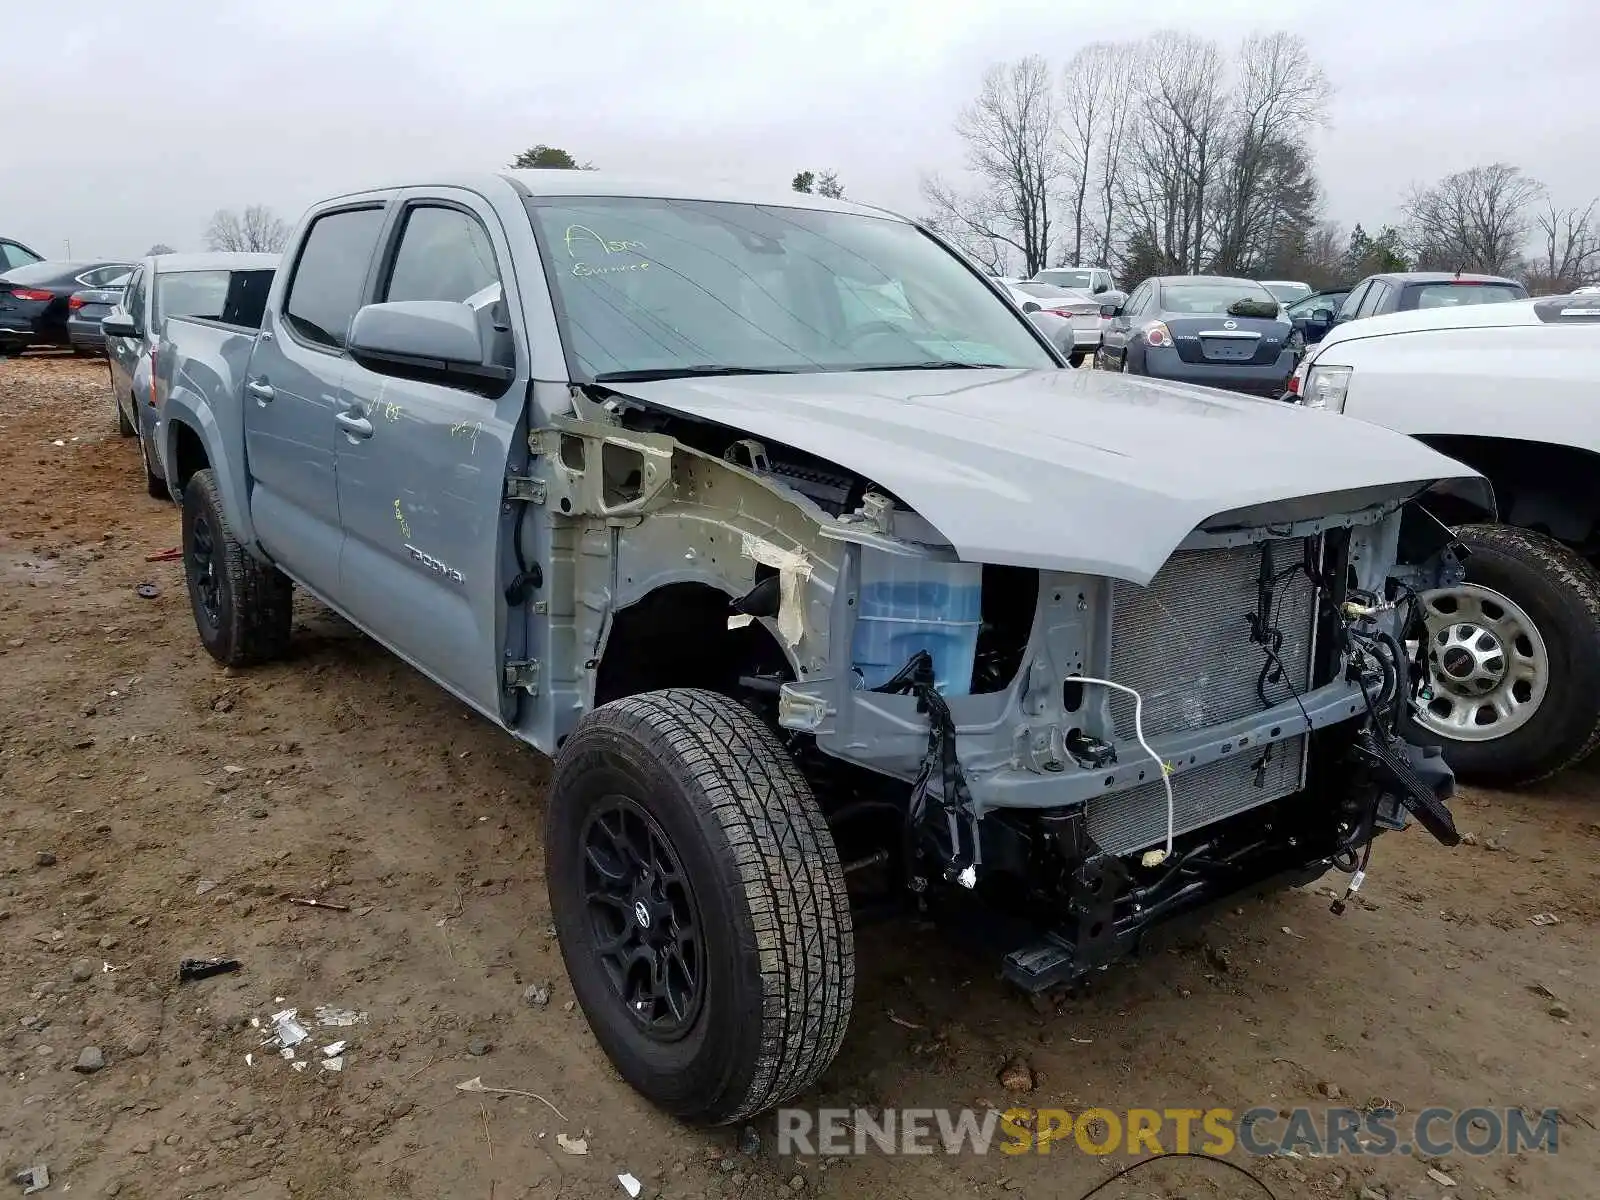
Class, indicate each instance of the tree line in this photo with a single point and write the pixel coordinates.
(1170, 155)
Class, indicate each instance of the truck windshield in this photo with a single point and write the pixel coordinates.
(649, 288)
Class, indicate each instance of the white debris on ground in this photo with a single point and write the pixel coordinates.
(295, 1042)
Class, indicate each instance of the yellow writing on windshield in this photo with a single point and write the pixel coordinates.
(583, 270)
(579, 233)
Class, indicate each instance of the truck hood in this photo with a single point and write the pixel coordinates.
(1066, 470)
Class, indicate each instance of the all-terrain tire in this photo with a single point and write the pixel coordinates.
(1560, 592)
(250, 618)
(779, 953)
(124, 426)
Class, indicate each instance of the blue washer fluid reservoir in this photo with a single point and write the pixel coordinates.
(910, 603)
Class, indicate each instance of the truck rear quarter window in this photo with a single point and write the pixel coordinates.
(1569, 310)
(325, 290)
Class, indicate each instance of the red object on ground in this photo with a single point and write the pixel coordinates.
(165, 555)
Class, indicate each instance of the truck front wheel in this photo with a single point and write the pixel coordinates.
(1513, 656)
(242, 606)
(699, 903)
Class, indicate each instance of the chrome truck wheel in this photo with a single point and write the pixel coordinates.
(1487, 663)
(1513, 658)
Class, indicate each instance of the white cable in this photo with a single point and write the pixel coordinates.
(1151, 858)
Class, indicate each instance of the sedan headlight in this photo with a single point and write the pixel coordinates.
(1326, 387)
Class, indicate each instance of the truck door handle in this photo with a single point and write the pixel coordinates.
(259, 390)
(354, 424)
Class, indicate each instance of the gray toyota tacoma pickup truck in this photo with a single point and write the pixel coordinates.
(826, 587)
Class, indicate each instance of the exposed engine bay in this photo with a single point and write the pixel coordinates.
(1105, 754)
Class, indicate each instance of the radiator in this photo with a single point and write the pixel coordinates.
(1184, 643)
(1136, 819)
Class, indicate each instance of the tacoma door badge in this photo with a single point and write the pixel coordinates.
(443, 570)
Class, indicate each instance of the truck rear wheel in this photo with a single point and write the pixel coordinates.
(1513, 657)
(242, 606)
(699, 903)
(124, 426)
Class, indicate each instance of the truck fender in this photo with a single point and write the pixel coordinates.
(182, 409)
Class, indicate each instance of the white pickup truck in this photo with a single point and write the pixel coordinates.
(1509, 389)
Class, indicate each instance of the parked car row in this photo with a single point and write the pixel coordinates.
(857, 596)
(37, 302)
(1205, 329)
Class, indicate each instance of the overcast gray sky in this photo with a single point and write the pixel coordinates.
(133, 125)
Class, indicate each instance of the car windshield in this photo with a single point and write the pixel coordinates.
(653, 288)
(1211, 297)
(1067, 277)
(1288, 292)
(1451, 294)
(191, 293)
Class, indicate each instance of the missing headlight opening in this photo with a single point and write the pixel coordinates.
(1240, 678)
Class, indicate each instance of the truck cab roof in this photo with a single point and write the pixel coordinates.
(216, 260)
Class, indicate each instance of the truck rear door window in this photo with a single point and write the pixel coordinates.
(332, 269)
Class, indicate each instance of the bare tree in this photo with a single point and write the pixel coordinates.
(1120, 76)
(1176, 150)
(1473, 220)
(1265, 190)
(258, 229)
(1087, 93)
(1569, 248)
(1015, 155)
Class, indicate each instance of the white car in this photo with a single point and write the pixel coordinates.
(1082, 310)
(1513, 652)
(1094, 280)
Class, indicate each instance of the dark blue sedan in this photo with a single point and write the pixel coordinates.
(1206, 329)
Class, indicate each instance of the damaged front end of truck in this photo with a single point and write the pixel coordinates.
(1106, 694)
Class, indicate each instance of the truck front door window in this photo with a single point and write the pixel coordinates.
(326, 289)
(445, 254)
(1352, 302)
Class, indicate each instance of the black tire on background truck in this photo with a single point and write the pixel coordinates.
(1514, 659)
(243, 608)
(699, 903)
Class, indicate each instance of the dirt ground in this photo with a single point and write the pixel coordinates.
(153, 807)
